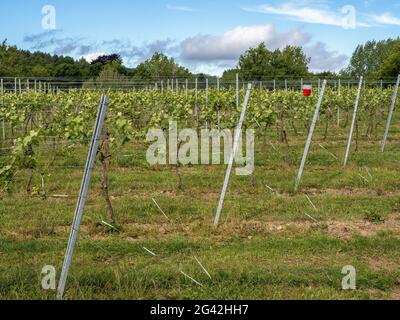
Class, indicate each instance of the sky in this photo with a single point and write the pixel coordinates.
(204, 36)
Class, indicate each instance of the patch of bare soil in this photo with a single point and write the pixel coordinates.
(339, 229)
(227, 230)
(395, 294)
(347, 229)
(382, 264)
(347, 192)
(248, 229)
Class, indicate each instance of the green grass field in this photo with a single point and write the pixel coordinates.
(270, 244)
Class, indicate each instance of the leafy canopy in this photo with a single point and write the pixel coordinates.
(261, 63)
(159, 66)
(391, 65)
(368, 58)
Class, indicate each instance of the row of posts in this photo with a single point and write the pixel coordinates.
(171, 84)
(174, 86)
(34, 85)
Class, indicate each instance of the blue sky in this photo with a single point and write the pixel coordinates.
(205, 36)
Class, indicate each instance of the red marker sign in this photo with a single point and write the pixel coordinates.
(307, 90)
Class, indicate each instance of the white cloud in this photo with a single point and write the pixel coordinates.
(180, 8)
(323, 59)
(215, 53)
(58, 43)
(385, 19)
(231, 44)
(210, 68)
(92, 56)
(201, 53)
(345, 17)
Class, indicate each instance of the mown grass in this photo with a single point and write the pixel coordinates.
(267, 247)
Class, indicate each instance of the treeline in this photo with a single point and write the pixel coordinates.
(23, 63)
(373, 60)
(260, 63)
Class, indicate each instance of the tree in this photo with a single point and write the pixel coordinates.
(40, 71)
(160, 66)
(292, 61)
(98, 64)
(22, 63)
(230, 75)
(325, 75)
(110, 72)
(256, 63)
(368, 58)
(260, 63)
(108, 77)
(67, 70)
(391, 65)
(106, 59)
